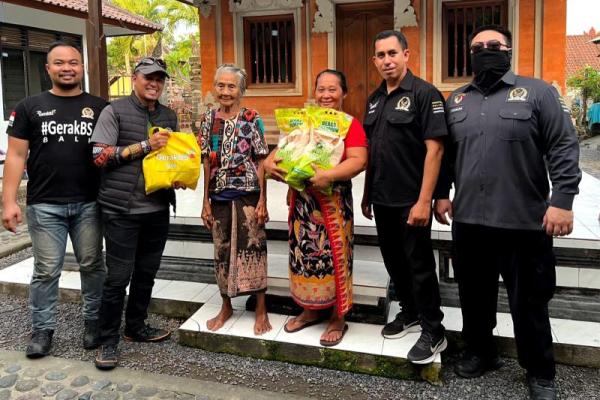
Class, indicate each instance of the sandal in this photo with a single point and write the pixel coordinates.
(335, 342)
(305, 325)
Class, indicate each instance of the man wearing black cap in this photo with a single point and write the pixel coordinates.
(509, 133)
(135, 224)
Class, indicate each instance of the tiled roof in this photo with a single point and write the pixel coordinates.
(109, 11)
(581, 52)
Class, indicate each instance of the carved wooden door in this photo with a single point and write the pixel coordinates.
(356, 26)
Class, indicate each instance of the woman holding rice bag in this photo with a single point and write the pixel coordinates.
(233, 151)
(321, 225)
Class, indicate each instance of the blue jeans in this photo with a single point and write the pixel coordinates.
(49, 225)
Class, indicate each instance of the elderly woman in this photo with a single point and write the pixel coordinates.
(321, 227)
(234, 148)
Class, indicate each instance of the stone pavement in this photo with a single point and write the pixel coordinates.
(62, 379)
(589, 158)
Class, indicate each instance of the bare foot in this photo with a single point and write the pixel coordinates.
(217, 322)
(334, 330)
(305, 317)
(262, 324)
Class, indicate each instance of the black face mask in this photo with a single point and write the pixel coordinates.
(489, 66)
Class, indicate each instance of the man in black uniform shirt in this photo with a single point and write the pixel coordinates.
(55, 127)
(508, 132)
(405, 124)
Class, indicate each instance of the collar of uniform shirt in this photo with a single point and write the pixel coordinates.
(406, 84)
(509, 78)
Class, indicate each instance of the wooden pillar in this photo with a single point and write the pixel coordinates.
(96, 50)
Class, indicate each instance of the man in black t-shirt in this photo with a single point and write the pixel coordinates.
(54, 128)
(405, 124)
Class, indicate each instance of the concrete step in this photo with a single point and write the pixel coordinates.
(362, 350)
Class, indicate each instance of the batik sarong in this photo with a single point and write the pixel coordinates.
(321, 234)
(240, 246)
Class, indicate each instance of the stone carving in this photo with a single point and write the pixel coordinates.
(205, 6)
(404, 14)
(323, 17)
(263, 5)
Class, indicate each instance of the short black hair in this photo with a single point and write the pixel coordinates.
(65, 43)
(389, 33)
(497, 28)
(340, 75)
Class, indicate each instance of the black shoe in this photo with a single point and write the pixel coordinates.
(402, 325)
(473, 366)
(541, 389)
(147, 334)
(39, 345)
(426, 348)
(107, 356)
(90, 334)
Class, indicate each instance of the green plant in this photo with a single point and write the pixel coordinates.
(587, 81)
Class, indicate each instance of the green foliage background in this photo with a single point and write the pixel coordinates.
(124, 52)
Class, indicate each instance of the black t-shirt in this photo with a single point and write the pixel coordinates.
(397, 125)
(59, 129)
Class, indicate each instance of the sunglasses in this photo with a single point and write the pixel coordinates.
(152, 61)
(493, 45)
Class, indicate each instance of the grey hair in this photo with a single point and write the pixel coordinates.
(232, 69)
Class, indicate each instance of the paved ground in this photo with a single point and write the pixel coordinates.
(64, 379)
(590, 156)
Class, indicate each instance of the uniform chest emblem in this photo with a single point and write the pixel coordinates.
(373, 106)
(87, 113)
(458, 98)
(403, 103)
(518, 94)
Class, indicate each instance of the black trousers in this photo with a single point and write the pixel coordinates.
(134, 247)
(408, 258)
(526, 262)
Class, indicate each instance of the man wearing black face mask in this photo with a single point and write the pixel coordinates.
(509, 134)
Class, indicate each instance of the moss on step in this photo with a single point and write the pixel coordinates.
(330, 358)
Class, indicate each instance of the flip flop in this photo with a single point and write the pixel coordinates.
(335, 342)
(305, 325)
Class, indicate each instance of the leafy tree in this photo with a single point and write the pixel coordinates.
(124, 51)
(587, 81)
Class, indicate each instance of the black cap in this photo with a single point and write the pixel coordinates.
(150, 65)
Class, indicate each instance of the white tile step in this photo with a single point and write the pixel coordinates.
(360, 338)
(195, 292)
(568, 332)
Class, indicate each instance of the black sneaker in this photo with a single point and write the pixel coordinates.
(90, 334)
(402, 325)
(426, 348)
(107, 356)
(40, 343)
(541, 389)
(147, 334)
(473, 366)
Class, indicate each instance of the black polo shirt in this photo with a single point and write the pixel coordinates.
(397, 125)
(505, 144)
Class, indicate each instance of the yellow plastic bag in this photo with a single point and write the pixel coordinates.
(178, 161)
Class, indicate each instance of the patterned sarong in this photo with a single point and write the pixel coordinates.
(240, 246)
(321, 235)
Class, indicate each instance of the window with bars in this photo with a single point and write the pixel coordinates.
(459, 20)
(269, 50)
(23, 58)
